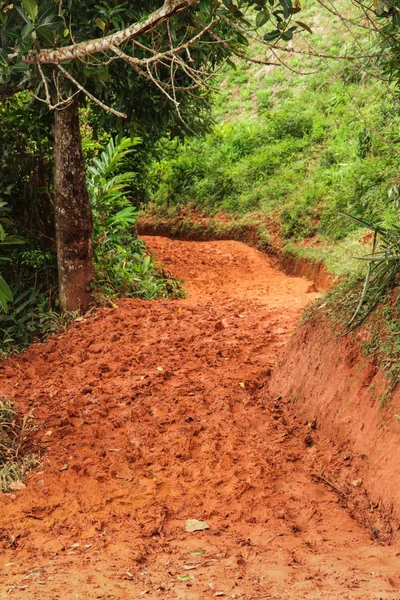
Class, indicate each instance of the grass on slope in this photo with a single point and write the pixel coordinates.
(294, 147)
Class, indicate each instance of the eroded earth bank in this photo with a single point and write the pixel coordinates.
(154, 413)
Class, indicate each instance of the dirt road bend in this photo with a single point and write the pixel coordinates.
(155, 413)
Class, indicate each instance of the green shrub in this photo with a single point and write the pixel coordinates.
(122, 265)
(300, 153)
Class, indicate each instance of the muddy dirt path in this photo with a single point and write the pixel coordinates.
(154, 413)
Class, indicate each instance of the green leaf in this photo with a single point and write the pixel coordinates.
(287, 35)
(23, 14)
(271, 36)
(304, 26)
(19, 68)
(362, 223)
(10, 239)
(5, 295)
(31, 8)
(396, 19)
(100, 24)
(27, 31)
(261, 18)
(3, 58)
(287, 6)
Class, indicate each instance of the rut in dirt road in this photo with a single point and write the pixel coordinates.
(154, 413)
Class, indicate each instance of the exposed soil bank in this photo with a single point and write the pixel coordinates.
(310, 269)
(153, 413)
(329, 380)
(254, 230)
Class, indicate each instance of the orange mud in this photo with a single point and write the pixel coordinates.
(156, 412)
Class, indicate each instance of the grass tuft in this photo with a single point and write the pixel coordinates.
(16, 460)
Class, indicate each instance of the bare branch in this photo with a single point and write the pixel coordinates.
(257, 61)
(61, 104)
(90, 47)
(260, 40)
(46, 87)
(89, 95)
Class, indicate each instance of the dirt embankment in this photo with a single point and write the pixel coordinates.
(254, 229)
(154, 413)
(330, 380)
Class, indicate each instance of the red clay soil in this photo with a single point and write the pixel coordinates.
(193, 225)
(334, 382)
(156, 412)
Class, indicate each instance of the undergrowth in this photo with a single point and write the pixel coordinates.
(16, 460)
(123, 267)
(32, 313)
(293, 163)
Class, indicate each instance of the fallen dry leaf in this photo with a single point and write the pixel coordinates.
(17, 485)
(192, 525)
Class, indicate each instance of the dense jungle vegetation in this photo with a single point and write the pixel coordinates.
(295, 142)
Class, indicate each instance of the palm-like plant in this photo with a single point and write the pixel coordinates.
(122, 265)
(5, 240)
(111, 209)
(383, 267)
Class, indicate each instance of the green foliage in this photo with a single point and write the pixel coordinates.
(227, 170)
(122, 265)
(111, 209)
(383, 267)
(26, 167)
(6, 239)
(33, 312)
(296, 151)
(380, 328)
(302, 161)
(28, 26)
(5, 294)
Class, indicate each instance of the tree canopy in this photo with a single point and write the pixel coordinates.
(58, 49)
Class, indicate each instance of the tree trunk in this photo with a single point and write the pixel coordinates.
(73, 213)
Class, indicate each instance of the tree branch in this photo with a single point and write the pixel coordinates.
(89, 95)
(90, 47)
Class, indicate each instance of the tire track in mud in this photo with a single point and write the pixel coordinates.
(157, 412)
